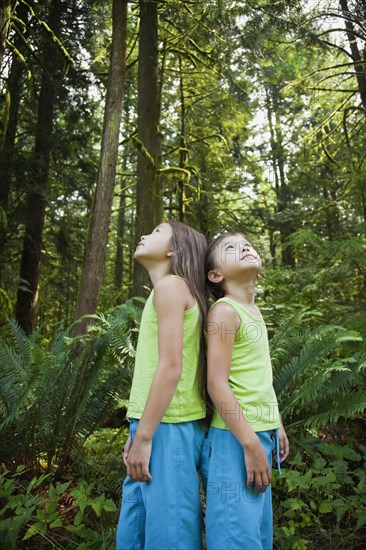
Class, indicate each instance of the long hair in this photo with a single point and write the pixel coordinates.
(189, 247)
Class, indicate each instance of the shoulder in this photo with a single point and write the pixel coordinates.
(170, 284)
(223, 312)
(170, 289)
(223, 323)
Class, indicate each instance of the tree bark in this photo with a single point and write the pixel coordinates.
(183, 147)
(288, 257)
(102, 201)
(359, 63)
(25, 309)
(119, 260)
(10, 125)
(278, 164)
(149, 205)
(5, 16)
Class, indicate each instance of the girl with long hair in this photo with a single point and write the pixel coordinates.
(161, 503)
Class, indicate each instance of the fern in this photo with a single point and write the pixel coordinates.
(54, 395)
(333, 410)
(319, 376)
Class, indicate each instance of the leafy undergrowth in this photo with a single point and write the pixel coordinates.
(81, 512)
(319, 501)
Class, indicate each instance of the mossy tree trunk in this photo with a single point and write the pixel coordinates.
(27, 296)
(102, 201)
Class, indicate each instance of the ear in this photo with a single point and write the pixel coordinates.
(214, 276)
(170, 253)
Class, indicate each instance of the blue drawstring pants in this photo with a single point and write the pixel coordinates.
(165, 513)
(237, 518)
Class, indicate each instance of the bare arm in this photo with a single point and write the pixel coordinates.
(170, 299)
(284, 443)
(223, 322)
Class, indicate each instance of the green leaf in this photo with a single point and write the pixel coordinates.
(109, 506)
(294, 503)
(79, 517)
(35, 529)
(31, 532)
(51, 506)
(361, 521)
(325, 508)
(56, 523)
(97, 504)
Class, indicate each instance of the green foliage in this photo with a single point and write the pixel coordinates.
(262, 129)
(53, 395)
(319, 371)
(320, 496)
(41, 512)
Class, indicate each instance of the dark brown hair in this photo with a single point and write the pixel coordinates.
(189, 247)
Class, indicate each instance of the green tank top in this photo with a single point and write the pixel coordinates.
(250, 374)
(186, 403)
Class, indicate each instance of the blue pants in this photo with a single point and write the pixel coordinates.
(165, 513)
(237, 518)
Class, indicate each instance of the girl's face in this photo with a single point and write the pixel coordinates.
(235, 256)
(156, 245)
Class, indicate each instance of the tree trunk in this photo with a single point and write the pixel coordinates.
(359, 63)
(278, 164)
(25, 308)
(202, 218)
(149, 206)
(118, 267)
(328, 219)
(102, 201)
(5, 16)
(183, 148)
(272, 247)
(9, 132)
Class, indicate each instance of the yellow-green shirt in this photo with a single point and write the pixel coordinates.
(251, 373)
(186, 403)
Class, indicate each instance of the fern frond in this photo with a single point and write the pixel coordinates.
(339, 407)
(52, 395)
(315, 370)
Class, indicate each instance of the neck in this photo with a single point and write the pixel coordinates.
(242, 293)
(159, 271)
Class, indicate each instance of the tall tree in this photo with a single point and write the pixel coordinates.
(102, 201)
(149, 209)
(52, 75)
(6, 7)
(10, 123)
(358, 61)
(278, 166)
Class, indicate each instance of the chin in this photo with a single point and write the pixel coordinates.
(139, 258)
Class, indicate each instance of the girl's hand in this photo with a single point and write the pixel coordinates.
(126, 450)
(284, 444)
(258, 468)
(138, 459)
